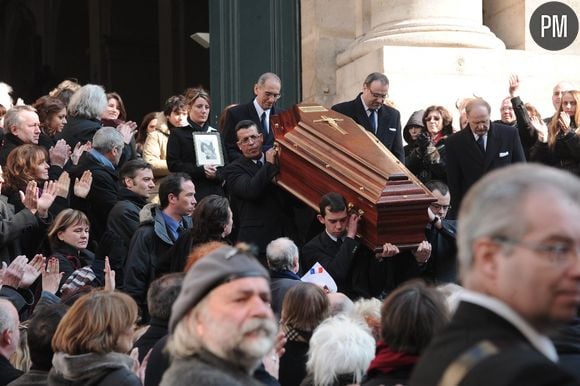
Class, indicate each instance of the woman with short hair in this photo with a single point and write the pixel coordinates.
(92, 341)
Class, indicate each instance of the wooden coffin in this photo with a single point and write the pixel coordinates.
(323, 151)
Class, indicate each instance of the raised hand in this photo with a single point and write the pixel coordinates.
(51, 276)
(127, 130)
(30, 197)
(210, 171)
(79, 150)
(32, 271)
(44, 202)
(514, 85)
(540, 128)
(13, 273)
(109, 276)
(59, 153)
(82, 187)
(564, 122)
(63, 185)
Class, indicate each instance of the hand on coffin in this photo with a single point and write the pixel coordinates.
(389, 250)
(423, 252)
(352, 226)
(272, 155)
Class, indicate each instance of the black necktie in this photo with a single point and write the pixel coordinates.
(339, 242)
(373, 118)
(264, 124)
(481, 144)
(259, 163)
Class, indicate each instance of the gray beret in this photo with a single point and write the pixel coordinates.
(219, 267)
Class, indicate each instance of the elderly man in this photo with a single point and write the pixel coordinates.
(259, 110)
(101, 160)
(282, 258)
(221, 323)
(518, 240)
(369, 111)
(9, 340)
(481, 147)
(22, 126)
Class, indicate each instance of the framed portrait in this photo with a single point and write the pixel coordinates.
(208, 149)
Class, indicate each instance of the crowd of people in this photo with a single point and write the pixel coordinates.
(156, 254)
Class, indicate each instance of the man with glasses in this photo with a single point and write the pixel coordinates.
(518, 246)
(259, 110)
(369, 111)
(261, 209)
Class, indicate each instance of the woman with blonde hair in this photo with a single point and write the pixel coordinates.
(69, 237)
(92, 341)
(561, 148)
(181, 156)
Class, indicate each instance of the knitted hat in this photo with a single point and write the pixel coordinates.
(219, 267)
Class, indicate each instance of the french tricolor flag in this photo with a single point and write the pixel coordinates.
(319, 276)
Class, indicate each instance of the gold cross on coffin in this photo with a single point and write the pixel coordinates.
(332, 122)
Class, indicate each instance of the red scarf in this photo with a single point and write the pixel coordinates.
(387, 361)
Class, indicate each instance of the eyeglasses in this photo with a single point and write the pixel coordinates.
(272, 95)
(560, 253)
(248, 139)
(440, 207)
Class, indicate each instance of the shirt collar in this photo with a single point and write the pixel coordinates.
(260, 110)
(541, 342)
(102, 159)
(365, 105)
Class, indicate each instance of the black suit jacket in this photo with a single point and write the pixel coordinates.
(466, 163)
(516, 363)
(261, 209)
(389, 124)
(239, 113)
(352, 266)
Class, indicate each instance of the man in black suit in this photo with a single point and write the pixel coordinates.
(482, 146)
(261, 210)
(354, 268)
(259, 110)
(519, 243)
(368, 110)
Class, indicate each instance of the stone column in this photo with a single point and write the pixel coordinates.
(423, 23)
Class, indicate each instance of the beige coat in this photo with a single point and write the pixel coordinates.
(155, 151)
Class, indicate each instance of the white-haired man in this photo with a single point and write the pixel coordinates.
(9, 340)
(518, 241)
(282, 258)
(221, 323)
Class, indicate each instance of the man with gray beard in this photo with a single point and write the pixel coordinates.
(221, 324)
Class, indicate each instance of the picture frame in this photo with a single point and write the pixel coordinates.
(208, 149)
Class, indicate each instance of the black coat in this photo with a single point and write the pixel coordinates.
(7, 372)
(10, 143)
(352, 266)
(150, 241)
(181, 158)
(516, 363)
(70, 259)
(389, 124)
(262, 211)
(78, 130)
(157, 330)
(239, 113)
(565, 154)
(442, 265)
(466, 163)
(122, 223)
(102, 196)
